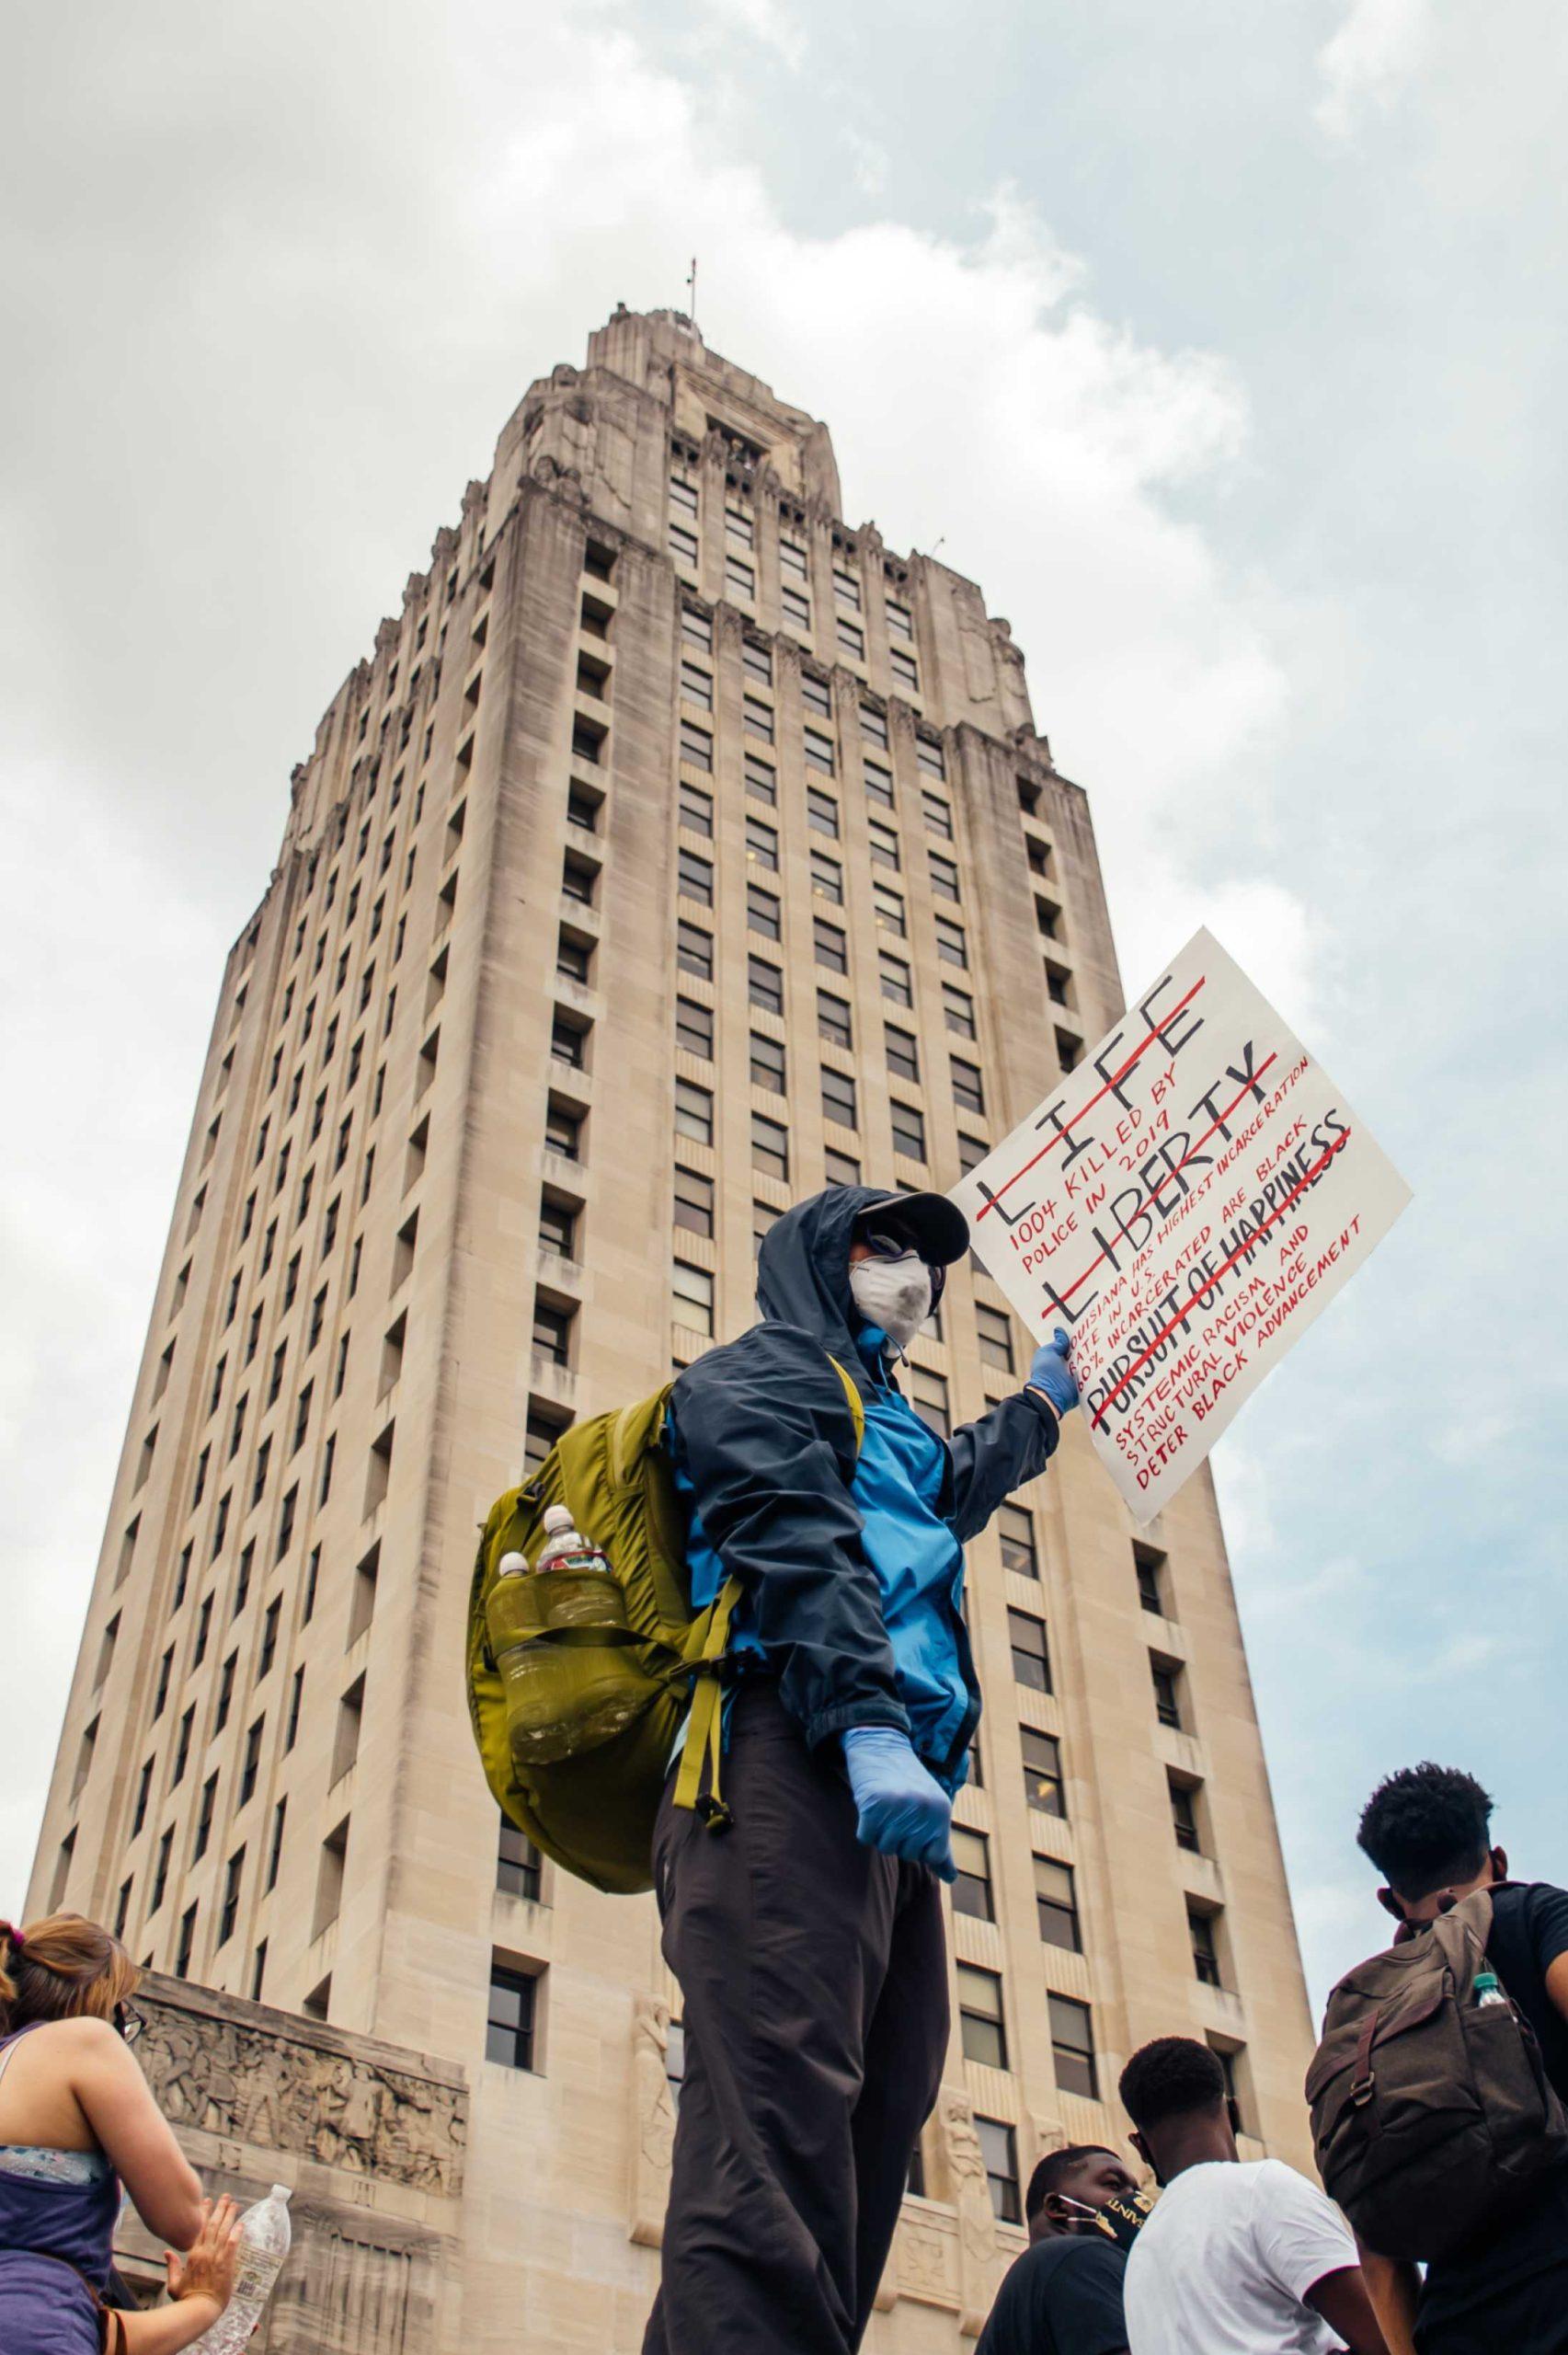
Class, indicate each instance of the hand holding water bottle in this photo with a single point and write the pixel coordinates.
(203, 2278)
(260, 2244)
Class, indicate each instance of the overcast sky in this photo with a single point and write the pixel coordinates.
(1222, 344)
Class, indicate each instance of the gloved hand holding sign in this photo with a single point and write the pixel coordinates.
(904, 1811)
(1051, 1374)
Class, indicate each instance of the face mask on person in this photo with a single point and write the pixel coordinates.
(1121, 2219)
(894, 1294)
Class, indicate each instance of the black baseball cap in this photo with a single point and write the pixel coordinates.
(936, 1226)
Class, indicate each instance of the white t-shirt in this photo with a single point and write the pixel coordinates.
(1226, 2259)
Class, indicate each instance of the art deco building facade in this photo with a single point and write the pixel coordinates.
(680, 850)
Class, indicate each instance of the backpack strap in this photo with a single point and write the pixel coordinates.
(704, 1726)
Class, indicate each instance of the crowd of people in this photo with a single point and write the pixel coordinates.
(1234, 2256)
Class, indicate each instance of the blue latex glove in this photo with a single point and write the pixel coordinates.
(904, 1811)
(1050, 1371)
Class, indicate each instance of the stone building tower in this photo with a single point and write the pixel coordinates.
(680, 849)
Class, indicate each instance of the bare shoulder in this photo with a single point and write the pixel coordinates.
(82, 2043)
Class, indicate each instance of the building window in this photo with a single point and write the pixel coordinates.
(840, 1168)
(957, 1010)
(968, 1091)
(822, 811)
(694, 1112)
(563, 1131)
(999, 2147)
(971, 1890)
(694, 1290)
(884, 844)
(792, 557)
(951, 946)
(694, 950)
(1055, 1903)
(762, 1216)
(204, 1812)
(874, 726)
(508, 2028)
(1073, 2045)
(838, 1097)
(904, 669)
(693, 1202)
(697, 628)
(796, 611)
(229, 1911)
(697, 687)
(928, 757)
(1228, 2057)
(769, 1146)
(696, 745)
(938, 816)
(557, 1231)
(1205, 1954)
(540, 1433)
(995, 1330)
(1150, 1568)
(1166, 1677)
(740, 578)
(1184, 1816)
(763, 844)
(683, 495)
(757, 717)
(250, 1765)
(846, 590)
(762, 912)
(275, 1845)
(1016, 1526)
(517, 1863)
(739, 528)
(1042, 1771)
(833, 1019)
(187, 1943)
(888, 907)
(696, 808)
(268, 1652)
(694, 1027)
(908, 1130)
(944, 876)
(831, 945)
(683, 545)
(574, 960)
(819, 752)
(980, 2024)
(767, 1063)
(568, 1042)
(815, 694)
(878, 783)
(696, 876)
(828, 877)
(851, 639)
(757, 661)
(765, 985)
(761, 781)
(552, 1332)
(901, 623)
(897, 986)
(1030, 1656)
(928, 1395)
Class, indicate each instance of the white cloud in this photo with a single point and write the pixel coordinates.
(241, 429)
(1376, 51)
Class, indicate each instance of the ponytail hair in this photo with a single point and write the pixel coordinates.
(62, 1968)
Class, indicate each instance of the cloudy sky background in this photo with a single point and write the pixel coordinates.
(1223, 345)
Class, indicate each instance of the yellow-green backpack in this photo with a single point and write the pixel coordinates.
(577, 1684)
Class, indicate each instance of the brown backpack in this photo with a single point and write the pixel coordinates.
(1429, 2111)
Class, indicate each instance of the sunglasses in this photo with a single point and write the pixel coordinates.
(129, 2021)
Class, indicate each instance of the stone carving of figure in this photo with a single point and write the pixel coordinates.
(976, 2218)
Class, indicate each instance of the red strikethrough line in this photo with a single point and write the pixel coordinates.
(1115, 1081)
(1224, 1268)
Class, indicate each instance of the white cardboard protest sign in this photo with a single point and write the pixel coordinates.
(1184, 1205)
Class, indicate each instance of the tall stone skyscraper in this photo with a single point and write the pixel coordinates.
(679, 850)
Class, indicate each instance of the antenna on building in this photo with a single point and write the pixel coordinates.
(691, 293)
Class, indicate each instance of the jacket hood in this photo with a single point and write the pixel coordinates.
(803, 1270)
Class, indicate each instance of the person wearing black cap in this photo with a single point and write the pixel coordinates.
(808, 1939)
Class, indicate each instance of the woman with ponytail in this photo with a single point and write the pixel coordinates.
(77, 2123)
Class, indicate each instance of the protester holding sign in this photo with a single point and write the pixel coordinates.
(808, 1938)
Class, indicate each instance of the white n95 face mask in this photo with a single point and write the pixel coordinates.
(893, 1293)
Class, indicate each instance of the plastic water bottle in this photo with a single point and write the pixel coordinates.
(1489, 1991)
(264, 2243)
(565, 1548)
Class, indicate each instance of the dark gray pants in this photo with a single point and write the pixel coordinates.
(815, 1986)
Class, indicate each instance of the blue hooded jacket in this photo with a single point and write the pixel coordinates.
(851, 1572)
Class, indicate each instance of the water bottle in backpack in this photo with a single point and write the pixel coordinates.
(558, 1633)
(264, 2243)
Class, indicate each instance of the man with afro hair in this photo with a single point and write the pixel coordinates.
(1428, 1832)
(1240, 2257)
